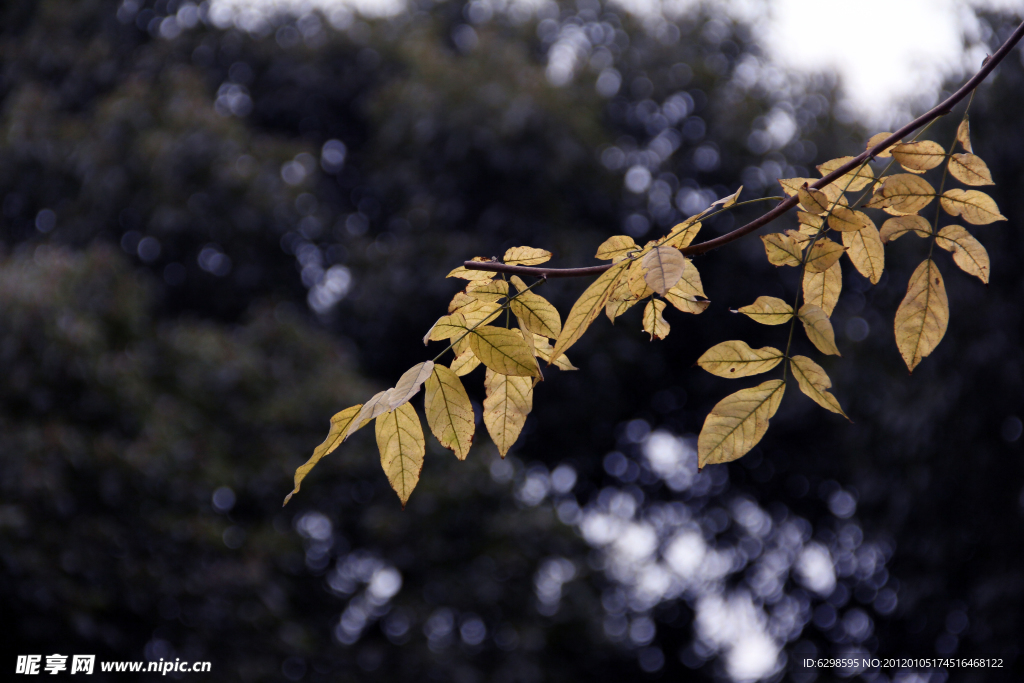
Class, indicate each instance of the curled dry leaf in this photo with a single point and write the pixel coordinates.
(654, 323)
(781, 249)
(339, 425)
(727, 201)
(504, 351)
(409, 383)
(974, 205)
(923, 315)
(818, 329)
(901, 225)
(535, 311)
(968, 253)
(768, 310)
(823, 289)
(970, 170)
(867, 252)
(377, 405)
(449, 411)
(903, 192)
(918, 157)
(963, 134)
(815, 383)
(735, 358)
(509, 400)
(401, 445)
(823, 254)
(738, 422)
(526, 256)
(615, 248)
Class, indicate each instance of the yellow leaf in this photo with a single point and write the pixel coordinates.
(974, 205)
(791, 186)
(508, 401)
(637, 283)
(903, 192)
(810, 224)
(490, 291)
(963, 134)
(818, 329)
(726, 202)
(615, 247)
(735, 358)
(877, 139)
(620, 301)
(463, 303)
(484, 314)
(449, 412)
(781, 249)
(466, 274)
(813, 201)
(970, 170)
(588, 307)
(409, 384)
(535, 312)
(687, 303)
(370, 410)
(465, 363)
(690, 282)
(738, 422)
(654, 323)
(664, 266)
(923, 314)
(815, 383)
(543, 348)
(899, 226)
(768, 310)
(859, 178)
(339, 425)
(526, 256)
(968, 253)
(503, 351)
(401, 445)
(446, 327)
(867, 252)
(918, 157)
(823, 254)
(823, 289)
(847, 220)
(682, 234)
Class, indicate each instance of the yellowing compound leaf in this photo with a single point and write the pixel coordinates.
(588, 307)
(339, 425)
(823, 254)
(664, 266)
(877, 139)
(970, 170)
(509, 400)
(818, 329)
(901, 225)
(401, 445)
(843, 219)
(654, 323)
(867, 252)
(535, 312)
(923, 314)
(687, 303)
(682, 234)
(409, 383)
(370, 410)
(813, 201)
(781, 249)
(859, 178)
(504, 351)
(918, 157)
(526, 256)
(465, 363)
(815, 383)
(968, 253)
(615, 247)
(823, 289)
(449, 412)
(974, 205)
(963, 134)
(488, 291)
(768, 310)
(903, 192)
(735, 358)
(543, 349)
(738, 422)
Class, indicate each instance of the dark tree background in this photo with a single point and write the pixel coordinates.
(213, 238)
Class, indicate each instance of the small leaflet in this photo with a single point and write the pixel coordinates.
(815, 383)
(485, 313)
(654, 323)
(449, 411)
(970, 170)
(738, 422)
(918, 157)
(526, 256)
(968, 253)
(687, 303)
(489, 292)
(339, 425)
(974, 205)
(877, 139)
(465, 363)
(535, 312)
(466, 274)
(615, 248)
(689, 283)
(726, 202)
(810, 224)
(446, 327)
(588, 307)
(768, 310)
(843, 219)
(733, 359)
(823, 289)
(620, 301)
(901, 225)
(857, 179)
(682, 234)
(813, 201)
(963, 134)
(409, 384)
(781, 249)
(370, 410)
(818, 329)
(867, 252)
(504, 351)
(923, 315)
(463, 303)
(402, 446)
(508, 401)
(664, 266)
(903, 192)
(823, 254)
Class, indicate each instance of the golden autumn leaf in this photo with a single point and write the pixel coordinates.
(974, 205)
(968, 253)
(377, 405)
(615, 247)
(616, 307)
(339, 425)
(449, 412)
(903, 192)
(654, 323)
(637, 282)
(489, 292)
(823, 289)
(738, 422)
(918, 157)
(963, 134)
(735, 358)
(690, 282)
(823, 254)
(877, 139)
(834, 193)
(465, 363)
(810, 224)
(768, 310)
(687, 303)
(818, 329)
(682, 234)
(543, 349)
(536, 312)
(504, 351)
(923, 315)
(859, 178)
(508, 401)
(401, 445)
(487, 312)
(867, 252)
(463, 303)
(813, 201)
(526, 256)
(409, 384)
(466, 274)
(843, 219)
(782, 250)
(901, 225)
(446, 327)
(815, 383)
(970, 170)
(663, 268)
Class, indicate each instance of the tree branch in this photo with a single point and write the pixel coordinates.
(782, 207)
